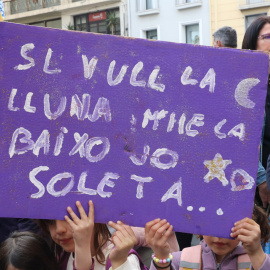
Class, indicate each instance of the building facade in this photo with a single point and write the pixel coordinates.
(185, 21)
(81, 15)
(238, 14)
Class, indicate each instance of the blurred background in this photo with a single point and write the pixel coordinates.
(184, 21)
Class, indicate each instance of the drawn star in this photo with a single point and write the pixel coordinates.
(216, 169)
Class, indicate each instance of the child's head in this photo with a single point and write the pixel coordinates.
(26, 250)
(220, 246)
(62, 236)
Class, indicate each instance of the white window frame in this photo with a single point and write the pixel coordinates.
(244, 5)
(155, 27)
(184, 5)
(182, 30)
(143, 11)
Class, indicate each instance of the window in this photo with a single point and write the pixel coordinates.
(18, 6)
(38, 24)
(251, 18)
(97, 22)
(147, 5)
(151, 34)
(254, 1)
(251, 4)
(192, 34)
(52, 24)
(81, 23)
(184, 4)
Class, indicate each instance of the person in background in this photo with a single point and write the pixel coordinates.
(257, 37)
(9, 225)
(225, 37)
(26, 251)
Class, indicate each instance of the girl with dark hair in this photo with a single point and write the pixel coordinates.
(257, 37)
(79, 243)
(26, 251)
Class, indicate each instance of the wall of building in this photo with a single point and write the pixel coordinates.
(67, 10)
(170, 21)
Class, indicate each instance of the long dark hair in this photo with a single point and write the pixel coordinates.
(260, 217)
(252, 33)
(102, 236)
(26, 250)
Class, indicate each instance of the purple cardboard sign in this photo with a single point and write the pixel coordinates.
(144, 129)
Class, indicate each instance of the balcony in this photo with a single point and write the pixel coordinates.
(183, 4)
(249, 4)
(18, 10)
(147, 7)
(19, 6)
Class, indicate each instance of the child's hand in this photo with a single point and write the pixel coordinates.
(82, 228)
(248, 232)
(124, 240)
(82, 235)
(156, 235)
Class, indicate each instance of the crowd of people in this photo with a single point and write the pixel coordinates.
(77, 242)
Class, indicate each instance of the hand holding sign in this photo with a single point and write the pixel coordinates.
(124, 240)
(157, 233)
(248, 232)
(83, 232)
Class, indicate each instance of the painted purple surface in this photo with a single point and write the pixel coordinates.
(126, 139)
